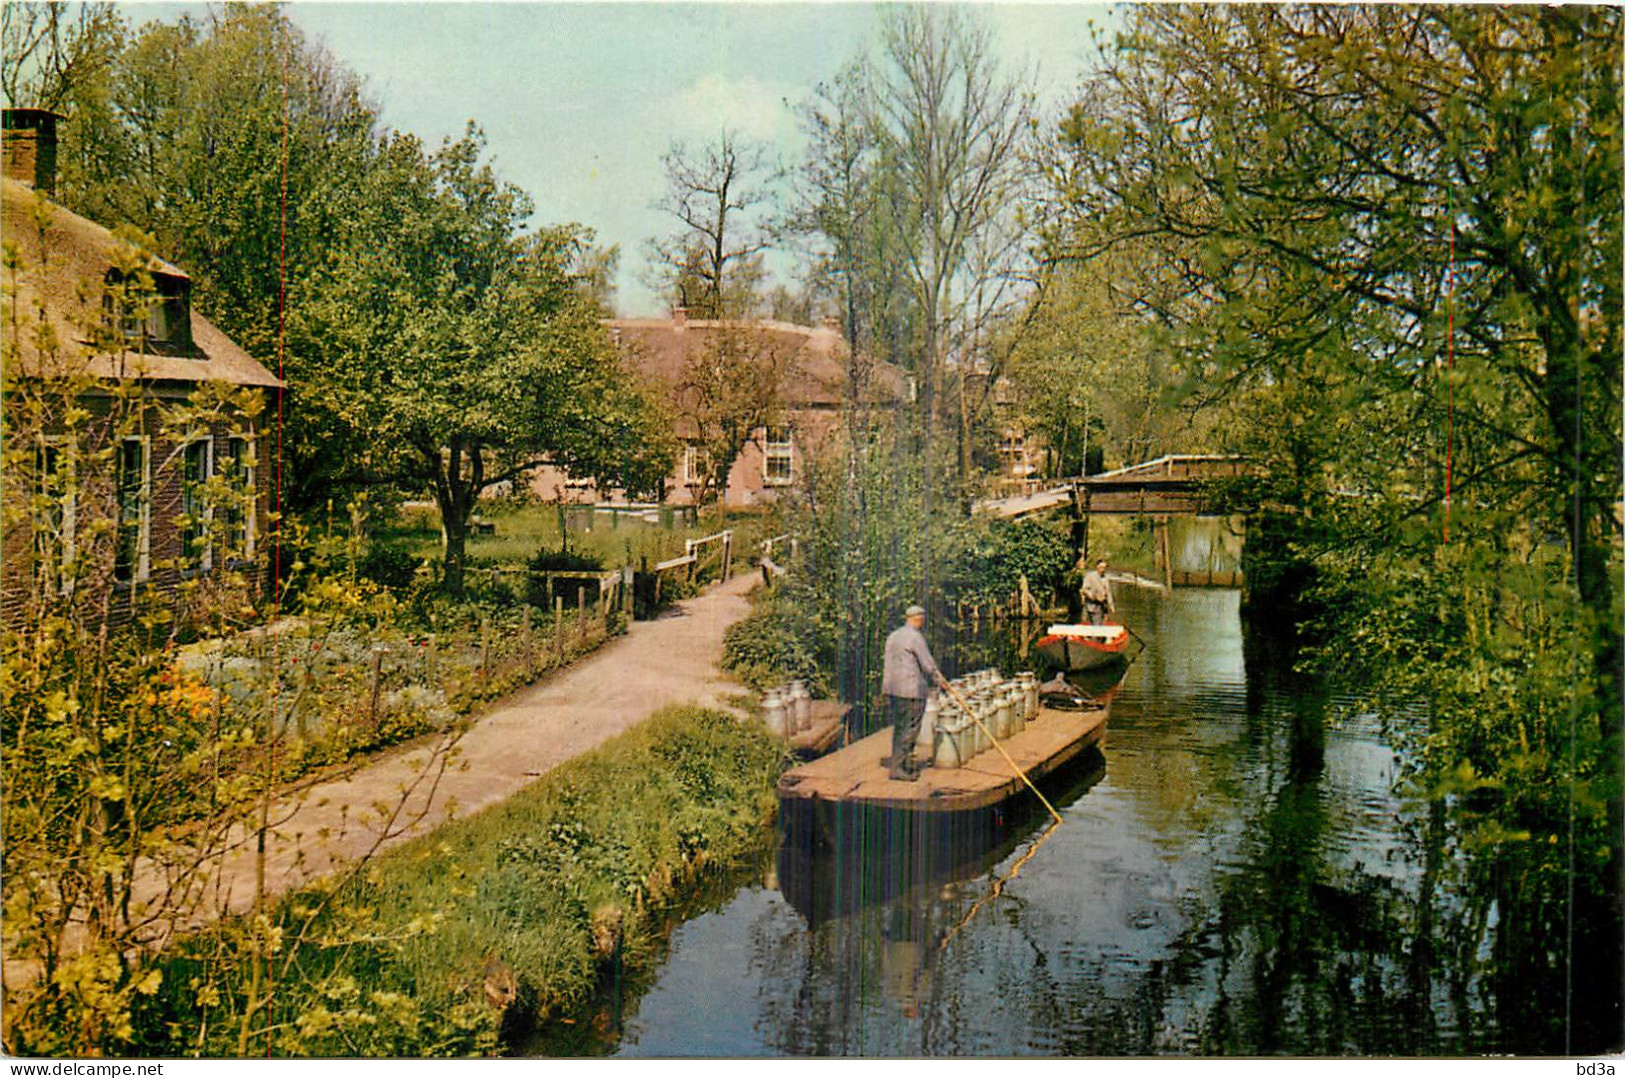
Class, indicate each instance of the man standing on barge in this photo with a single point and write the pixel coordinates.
(909, 673)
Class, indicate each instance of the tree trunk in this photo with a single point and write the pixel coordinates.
(456, 544)
(455, 493)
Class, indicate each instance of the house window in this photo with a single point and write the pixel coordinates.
(696, 465)
(157, 321)
(130, 555)
(55, 510)
(238, 515)
(778, 456)
(197, 465)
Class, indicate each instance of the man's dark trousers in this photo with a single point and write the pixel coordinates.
(904, 713)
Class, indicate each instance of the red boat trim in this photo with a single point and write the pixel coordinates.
(1113, 648)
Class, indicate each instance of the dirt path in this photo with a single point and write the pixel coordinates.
(671, 660)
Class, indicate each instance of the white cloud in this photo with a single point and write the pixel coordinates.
(747, 106)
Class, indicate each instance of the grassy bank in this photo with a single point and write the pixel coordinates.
(519, 529)
(448, 944)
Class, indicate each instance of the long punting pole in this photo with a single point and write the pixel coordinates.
(964, 706)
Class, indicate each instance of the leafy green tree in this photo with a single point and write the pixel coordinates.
(1089, 369)
(53, 54)
(473, 351)
(1398, 229)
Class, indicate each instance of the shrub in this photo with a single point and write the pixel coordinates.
(772, 646)
(1028, 548)
(389, 567)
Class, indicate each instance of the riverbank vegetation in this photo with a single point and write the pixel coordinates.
(495, 922)
(1390, 254)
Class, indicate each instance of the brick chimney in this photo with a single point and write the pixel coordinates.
(29, 143)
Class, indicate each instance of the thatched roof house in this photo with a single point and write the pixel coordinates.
(89, 313)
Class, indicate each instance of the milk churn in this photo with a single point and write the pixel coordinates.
(1029, 685)
(925, 744)
(800, 706)
(948, 751)
(978, 727)
(1001, 713)
(1017, 695)
(773, 713)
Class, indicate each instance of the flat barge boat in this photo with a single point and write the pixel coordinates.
(850, 794)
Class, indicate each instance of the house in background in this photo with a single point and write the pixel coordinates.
(1021, 451)
(144, 479)
(811, 367)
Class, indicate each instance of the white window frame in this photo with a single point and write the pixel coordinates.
(66, 540)
(204, 526)
(142, 569)
(692, 454)
(783, 449)
(248, 490)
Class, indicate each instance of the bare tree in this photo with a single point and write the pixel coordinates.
(835, 215)
(948, 130)
(712, 263)
(47, 50)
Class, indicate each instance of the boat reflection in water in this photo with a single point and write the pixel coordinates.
(892, 909)
(872, 868)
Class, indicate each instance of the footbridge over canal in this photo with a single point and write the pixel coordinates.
(1173, 485)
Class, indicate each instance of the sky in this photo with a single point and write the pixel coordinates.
(579, 100)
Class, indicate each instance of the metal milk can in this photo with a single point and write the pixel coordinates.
(1001, 714)
(925, 744)
(948, 748)
(773, 713)
(801, 706)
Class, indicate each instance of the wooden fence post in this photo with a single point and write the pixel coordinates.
(485, 645)
(377, 664)
(558, 627)
(1162, 549)
(581, 611)
(727, 554)
(530, 651)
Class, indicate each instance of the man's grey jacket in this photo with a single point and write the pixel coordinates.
(910, 670)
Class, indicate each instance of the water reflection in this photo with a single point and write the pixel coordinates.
(1237, 879)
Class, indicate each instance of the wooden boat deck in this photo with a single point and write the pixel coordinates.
(828, 724)
(855, 775)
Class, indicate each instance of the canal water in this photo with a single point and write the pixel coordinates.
(1234, 875)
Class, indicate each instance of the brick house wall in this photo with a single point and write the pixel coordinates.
(165, 575)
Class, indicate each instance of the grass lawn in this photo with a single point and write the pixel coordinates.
(618, 539)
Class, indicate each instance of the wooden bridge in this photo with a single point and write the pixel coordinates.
(1172, 484)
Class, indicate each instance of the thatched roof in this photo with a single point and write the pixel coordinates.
(812, 360)
(61, 276)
